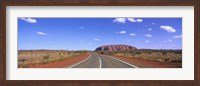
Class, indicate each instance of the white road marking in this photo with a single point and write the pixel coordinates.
(80, 62)
(123, 62)
(100, 63)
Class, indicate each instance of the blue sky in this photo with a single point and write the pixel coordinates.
(89, 33)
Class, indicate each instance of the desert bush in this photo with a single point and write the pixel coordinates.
(174, 57)
(154, 55)
(158, 56)
(26, 57)
(101, 52)
(46, 57)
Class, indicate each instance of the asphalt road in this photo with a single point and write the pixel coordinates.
(100, 61)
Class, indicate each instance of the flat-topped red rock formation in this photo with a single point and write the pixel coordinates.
(118, 47)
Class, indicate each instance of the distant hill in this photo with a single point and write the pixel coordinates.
(118, 47)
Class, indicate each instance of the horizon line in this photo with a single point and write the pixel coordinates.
(94, 49)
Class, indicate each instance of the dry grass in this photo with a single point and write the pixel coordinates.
(31, 57)
(157, 56)
(154, 55)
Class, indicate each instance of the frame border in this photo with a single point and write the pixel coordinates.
(4, 3)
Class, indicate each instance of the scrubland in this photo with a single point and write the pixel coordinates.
(33, 57)
(148, 54)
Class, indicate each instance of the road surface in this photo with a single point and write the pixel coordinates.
(100, 61)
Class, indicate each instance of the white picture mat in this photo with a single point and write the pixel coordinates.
(184, 73)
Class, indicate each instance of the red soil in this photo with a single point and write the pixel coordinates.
(142, 63)
(62, 64)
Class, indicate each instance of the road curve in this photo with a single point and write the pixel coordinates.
(100, 61)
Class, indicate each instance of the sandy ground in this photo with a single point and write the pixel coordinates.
(135, 61)
(148, 63)
(62, 64)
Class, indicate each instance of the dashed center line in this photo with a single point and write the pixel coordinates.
(100, 63)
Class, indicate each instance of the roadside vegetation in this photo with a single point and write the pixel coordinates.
(33, 57)
(148, 54)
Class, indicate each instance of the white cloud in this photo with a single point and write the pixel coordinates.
(148, 35)
(41, 33)
(29, 20)
(120, 20)
(152, 23)
(150, 29)
(131, 19)
(132, 34)
(180, 36)
(147, 41)
(82, 27)
(121, 32)
(96, 39)
(123, 20)
(134, 20)
(169, 40)
(169, 29)
(139, 20)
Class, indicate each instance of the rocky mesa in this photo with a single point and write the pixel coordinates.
(118, 47)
